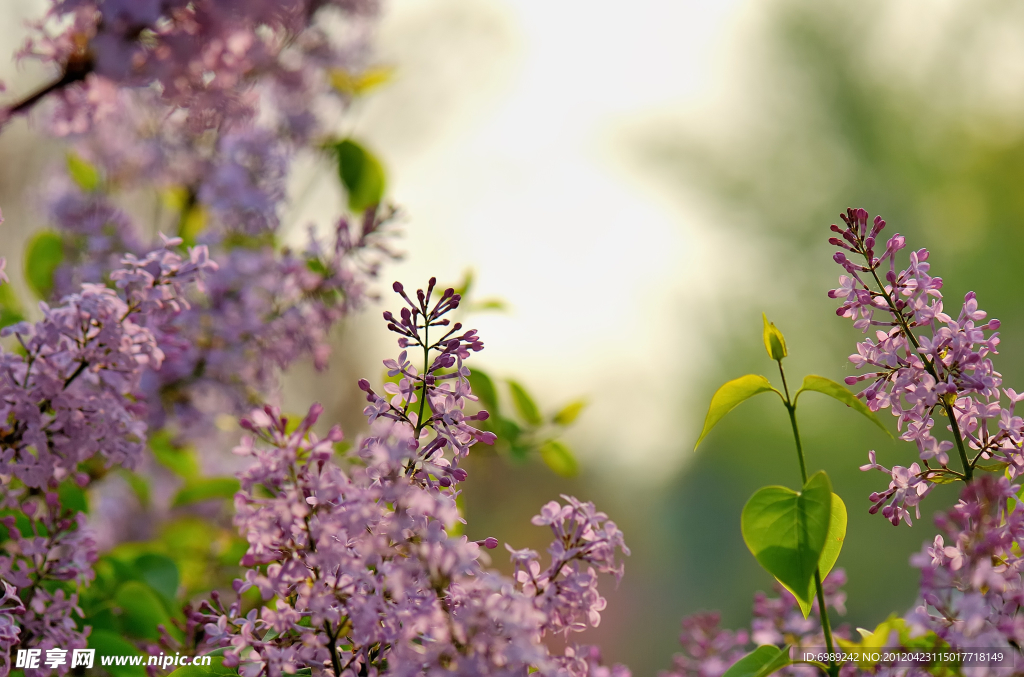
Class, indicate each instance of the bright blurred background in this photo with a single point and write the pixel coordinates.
(639, 182)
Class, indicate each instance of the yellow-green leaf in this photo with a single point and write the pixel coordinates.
(205, 489)
(525, 405)
(569, 412)
(357, 84)
(730, 395)
(84, 174)
(559, 458)
(837, 391)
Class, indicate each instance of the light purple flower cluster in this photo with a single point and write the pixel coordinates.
(206, 105)
(198, 55)
(425, 415)
(48, 546)
(923, 360)
(365, 575)
(709, 650)
(72, 392)
(971, 591)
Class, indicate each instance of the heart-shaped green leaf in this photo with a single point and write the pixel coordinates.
(837, 391)
(829, 555)
(786, 531)
(761, 662)
(730, 395)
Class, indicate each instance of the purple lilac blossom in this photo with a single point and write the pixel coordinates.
(709, 650)
(971, 594)
(201, 56)
(71, 394)
(922, 360)
(357, 553)
(208, 103)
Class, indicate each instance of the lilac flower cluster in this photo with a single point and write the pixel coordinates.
(971, 592)
(50, 546)
(207, 104)
(359, 558)
(72, 392)
(198, 56)
(923, 360)
(408, 432)
(709, 650)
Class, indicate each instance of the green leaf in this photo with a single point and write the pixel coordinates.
(72, 497)
(730, 395)
(559, 458)
(11, 310)
(181, 461)
(361, 173)
(205, 489)
(216, 668)
(43, 254)
(786, 531)
(833, 545)
(160, 573)
(488, 304)
(525, 405)
(774, 341)
(820, 384)
(141, 610)
(139, 485)
(762, 661)
(192, 223)
(464, 285)
(569, 412)
(483, 387)
(83, 173)
(109, 643)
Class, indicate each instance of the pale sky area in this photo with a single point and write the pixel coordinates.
(503, 134)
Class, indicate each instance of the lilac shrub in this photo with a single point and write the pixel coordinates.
(354, 556)
(69, 394)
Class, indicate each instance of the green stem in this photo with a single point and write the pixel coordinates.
(826, 627)
(791, 408)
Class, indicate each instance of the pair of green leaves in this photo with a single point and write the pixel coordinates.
(522, 435)
(793, 534)
(741, 389)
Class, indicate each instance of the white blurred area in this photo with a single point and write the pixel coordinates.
(502, 134)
